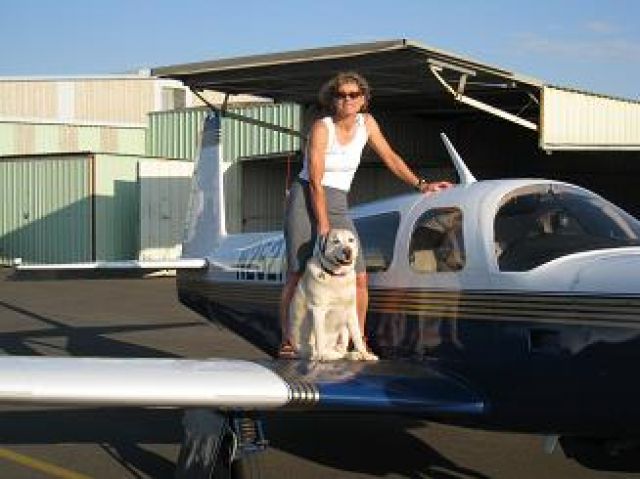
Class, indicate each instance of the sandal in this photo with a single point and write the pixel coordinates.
(287, 351)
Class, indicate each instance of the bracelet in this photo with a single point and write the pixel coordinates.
(420, 183)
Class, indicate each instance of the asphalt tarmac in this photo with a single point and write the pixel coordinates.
(142, 318)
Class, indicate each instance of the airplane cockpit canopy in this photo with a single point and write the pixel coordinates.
(536, 224)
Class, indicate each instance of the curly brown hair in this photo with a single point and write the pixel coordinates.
(328, 91)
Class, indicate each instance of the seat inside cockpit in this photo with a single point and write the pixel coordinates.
(539, 223)
(437, 243)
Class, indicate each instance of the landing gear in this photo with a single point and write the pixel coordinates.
(220, 446)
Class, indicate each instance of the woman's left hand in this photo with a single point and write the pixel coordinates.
(434, 186)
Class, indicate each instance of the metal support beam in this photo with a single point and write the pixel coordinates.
(459, 96)
(224, 112)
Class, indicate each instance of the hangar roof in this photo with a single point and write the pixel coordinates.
(398, 71)
(407, 77)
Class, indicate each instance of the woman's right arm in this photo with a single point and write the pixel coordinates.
(317, 147)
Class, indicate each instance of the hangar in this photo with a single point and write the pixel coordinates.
(504, 124)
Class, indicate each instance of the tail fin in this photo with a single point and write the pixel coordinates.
(205, 224)
(466, 177)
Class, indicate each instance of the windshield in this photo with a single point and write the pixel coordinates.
(537, 224)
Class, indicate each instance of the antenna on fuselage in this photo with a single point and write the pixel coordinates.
(466, 177)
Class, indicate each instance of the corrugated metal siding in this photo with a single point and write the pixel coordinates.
(7, 138)
(176, 134)
(25, 139)
(45, 209)
(96, 101)
(264, 182)
(578, 120)
(164, 188)
(32, 138)
(31, 99)
(116, 207)
(72, 208)
(241, 139)
(126, 101)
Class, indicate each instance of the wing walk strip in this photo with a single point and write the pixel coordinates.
(301, 393)
(612, 311)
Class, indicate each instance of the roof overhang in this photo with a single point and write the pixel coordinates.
(407, 77)
(403, 76)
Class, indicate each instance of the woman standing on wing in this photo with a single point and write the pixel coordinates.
(318, 198)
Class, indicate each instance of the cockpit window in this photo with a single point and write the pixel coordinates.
(537, 224)
(437, 243)
(378, 237)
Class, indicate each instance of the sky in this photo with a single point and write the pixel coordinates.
(585, 44)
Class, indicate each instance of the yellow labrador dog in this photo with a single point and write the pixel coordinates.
(323, 309)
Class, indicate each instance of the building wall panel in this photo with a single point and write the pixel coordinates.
(7, 139)
(116, 207)
(69, 138)
(30, 99)
(25, 139)
(45, 209)
(126, 101)
(164, 188)
(46, 139)
(583, 121)
(265, 183)
(242, 139)
(38, 138)
(176, 134)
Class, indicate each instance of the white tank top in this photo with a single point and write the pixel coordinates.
(340, 161)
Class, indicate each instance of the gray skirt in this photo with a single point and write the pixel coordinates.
(300, 225)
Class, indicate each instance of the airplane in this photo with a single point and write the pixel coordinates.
(510, 305)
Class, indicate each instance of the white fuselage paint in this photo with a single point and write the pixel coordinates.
(260, 257)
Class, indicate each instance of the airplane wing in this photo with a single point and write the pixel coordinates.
(181, 263)
(382, 386)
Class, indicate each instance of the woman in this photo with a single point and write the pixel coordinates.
(318, 198)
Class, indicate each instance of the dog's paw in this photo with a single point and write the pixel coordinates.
(370, 357)
(362, 356)
(331, 355)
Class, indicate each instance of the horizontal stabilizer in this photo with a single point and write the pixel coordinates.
(383, 386)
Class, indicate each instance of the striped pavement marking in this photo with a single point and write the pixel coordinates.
(41, 466)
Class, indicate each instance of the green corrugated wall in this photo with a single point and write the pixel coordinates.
(45, 209)
(175, 134)
(116, 207)
(68, 208)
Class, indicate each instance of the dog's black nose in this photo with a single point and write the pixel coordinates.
(347, 254)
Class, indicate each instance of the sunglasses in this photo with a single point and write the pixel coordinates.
(351, 95)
